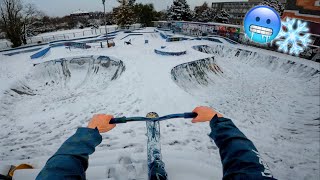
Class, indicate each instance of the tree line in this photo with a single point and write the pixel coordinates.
(19, 20)
(128, 12)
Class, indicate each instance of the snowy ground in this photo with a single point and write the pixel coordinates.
(274, 102)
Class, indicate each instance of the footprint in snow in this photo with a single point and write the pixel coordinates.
(127, 131)
(130, 146)
(173, 130)
(27, 146)
(128, 166)
(196, 140)
(130, 131)
(170, 125)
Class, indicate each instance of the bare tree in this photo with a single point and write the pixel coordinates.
(30, 13)
(15, 19)
(11, 15)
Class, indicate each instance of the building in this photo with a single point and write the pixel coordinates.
(96, 15)
(80, 14)
(304, 9)
(237, 10)
(307, 11)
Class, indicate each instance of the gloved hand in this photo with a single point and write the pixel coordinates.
(204, 114)
(101, 121)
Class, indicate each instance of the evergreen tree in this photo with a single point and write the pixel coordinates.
(275, 4)
(180, 11)
(124, 15)
(145, 13)
(222, 17)
(204, 13)
(131, 2)
(161, 15)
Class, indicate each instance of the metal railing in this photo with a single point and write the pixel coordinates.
(65, 36)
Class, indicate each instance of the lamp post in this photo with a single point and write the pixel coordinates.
(105, 21)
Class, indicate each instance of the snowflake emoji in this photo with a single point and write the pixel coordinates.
(295, 37)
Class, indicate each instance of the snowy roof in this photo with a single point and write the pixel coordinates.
(80, 12)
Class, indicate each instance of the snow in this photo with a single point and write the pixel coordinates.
(179, 10)
(285, 118)
(275, 103)
(71, 31)
(4, 44)
(172, 48)
(63, 35)
(79, 12)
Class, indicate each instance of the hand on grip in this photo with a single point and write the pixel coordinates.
(101, 121)
(204, 114)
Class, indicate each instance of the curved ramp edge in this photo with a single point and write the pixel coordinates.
(51, 88)
(199, 72)
(167, 53)
(298, 69)
(76, 73)
(41, 53)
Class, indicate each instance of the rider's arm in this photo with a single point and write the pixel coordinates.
(71, 160)
(240, 158)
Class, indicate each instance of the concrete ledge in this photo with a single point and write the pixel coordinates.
(169, 53)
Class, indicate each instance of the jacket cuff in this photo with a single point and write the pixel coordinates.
(214, 121)
(92, 133)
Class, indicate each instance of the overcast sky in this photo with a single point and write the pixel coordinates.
(65, 7)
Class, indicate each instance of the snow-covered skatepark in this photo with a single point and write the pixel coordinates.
(273, 98)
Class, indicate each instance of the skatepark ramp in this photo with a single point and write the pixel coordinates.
(71, 74)
(64, 78)
(132, 34)
(170, 51)
(295, 68)
(227, 63)
(200, 72)
(53, 87)
(273, 98)
(41, 53)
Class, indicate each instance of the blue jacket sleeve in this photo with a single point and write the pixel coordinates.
(240, 158)
(71, 160)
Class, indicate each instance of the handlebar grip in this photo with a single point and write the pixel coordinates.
(118, 120)
(190, 115)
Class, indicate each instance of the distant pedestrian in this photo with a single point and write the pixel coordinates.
(128, 42)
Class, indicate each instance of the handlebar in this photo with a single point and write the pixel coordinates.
(122, 120)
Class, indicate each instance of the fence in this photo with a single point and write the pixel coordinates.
(5, 44)
(67, 36)
(72, 34)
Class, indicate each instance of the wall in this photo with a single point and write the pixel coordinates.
(199, 29)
